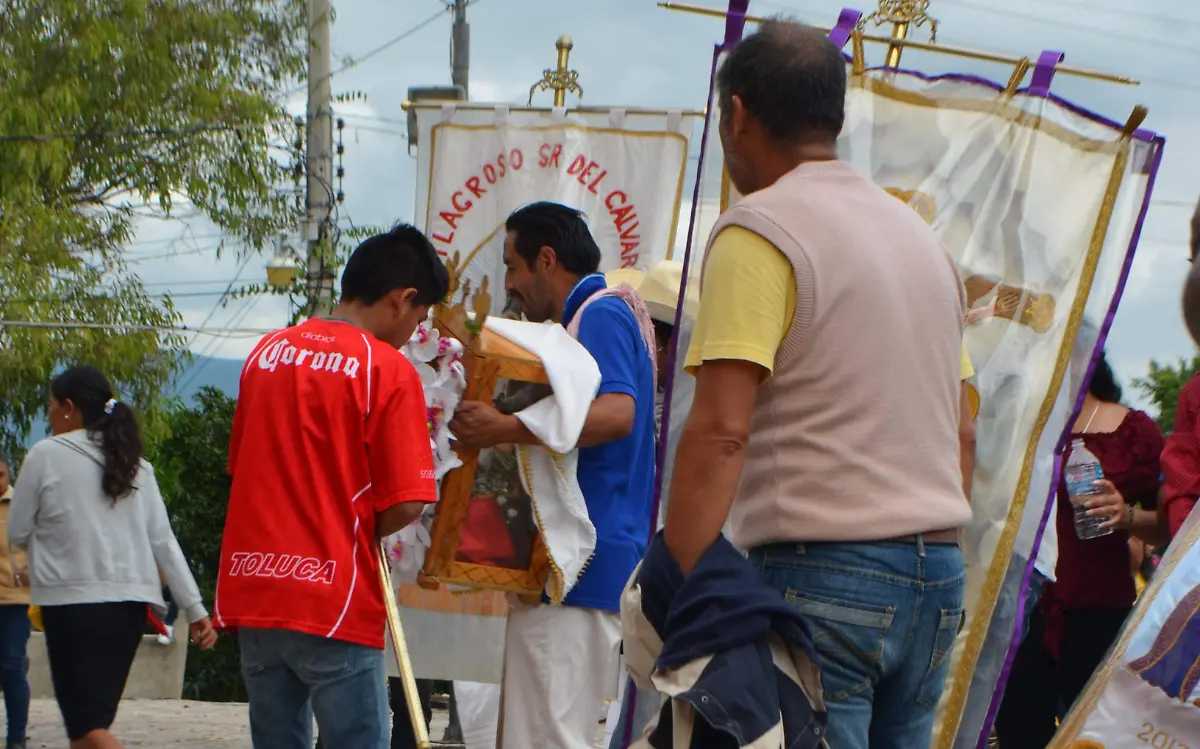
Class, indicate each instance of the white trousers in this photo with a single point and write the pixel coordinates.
(478, 713)
(560, 665)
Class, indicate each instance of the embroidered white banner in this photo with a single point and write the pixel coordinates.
(1038, 205)
(624, 171)
(1148, 692)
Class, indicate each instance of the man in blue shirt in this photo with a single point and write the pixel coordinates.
(561, 661)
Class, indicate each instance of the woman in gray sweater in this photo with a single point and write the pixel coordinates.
(89, 511)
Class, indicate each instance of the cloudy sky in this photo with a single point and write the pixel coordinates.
(632, 53)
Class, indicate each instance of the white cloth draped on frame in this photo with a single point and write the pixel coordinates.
(548, 472)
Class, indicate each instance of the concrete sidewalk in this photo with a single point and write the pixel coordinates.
(166, 724)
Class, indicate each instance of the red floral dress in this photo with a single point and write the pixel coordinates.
(1095, 574)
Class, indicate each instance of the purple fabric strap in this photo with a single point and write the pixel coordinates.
(1043, 72)
(735, 23)
(846, 23)
(1153, 162)
(630, 702)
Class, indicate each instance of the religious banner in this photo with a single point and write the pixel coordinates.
(1040, 204)
(1148, 692)
(623, 169)
(452, 635)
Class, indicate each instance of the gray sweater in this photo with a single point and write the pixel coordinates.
(83, 548)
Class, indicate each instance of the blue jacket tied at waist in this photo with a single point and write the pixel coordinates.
(734, 661)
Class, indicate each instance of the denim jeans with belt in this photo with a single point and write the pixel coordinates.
(884, 618)
(290, 676)
(14, 667)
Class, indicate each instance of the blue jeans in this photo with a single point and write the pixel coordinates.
(172, 608)
(996, 644)
(646, 705)
(14, 667)
(290, 676)
(884, 617)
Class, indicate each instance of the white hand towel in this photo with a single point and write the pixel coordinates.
(549, 473)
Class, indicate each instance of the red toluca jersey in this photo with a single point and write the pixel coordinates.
(330, 429)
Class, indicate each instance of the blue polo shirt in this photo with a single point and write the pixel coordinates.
(617, 478)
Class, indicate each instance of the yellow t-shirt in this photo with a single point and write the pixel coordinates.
(747, 303)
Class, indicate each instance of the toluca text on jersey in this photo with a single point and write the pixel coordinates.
(256, 564)
(281, 352)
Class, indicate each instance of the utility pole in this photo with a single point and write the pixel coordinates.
(319, 160)
(460, 48)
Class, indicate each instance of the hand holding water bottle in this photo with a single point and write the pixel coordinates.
(1110, 507)
(1085, 484)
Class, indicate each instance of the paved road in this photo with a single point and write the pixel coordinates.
(165, 724)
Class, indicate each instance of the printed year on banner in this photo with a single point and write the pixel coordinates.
(1159, 739)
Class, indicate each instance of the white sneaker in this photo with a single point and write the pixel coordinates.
(169, 637)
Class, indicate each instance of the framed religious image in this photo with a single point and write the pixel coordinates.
(485, 531)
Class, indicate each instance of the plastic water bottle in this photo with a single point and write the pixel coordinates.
(1082, 472)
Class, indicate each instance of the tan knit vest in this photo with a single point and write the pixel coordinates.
(855, 436)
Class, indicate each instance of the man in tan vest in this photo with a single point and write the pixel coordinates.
(828, 358)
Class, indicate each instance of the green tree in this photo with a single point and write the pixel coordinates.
(112, 111)
(1162, 386)
(191, 469)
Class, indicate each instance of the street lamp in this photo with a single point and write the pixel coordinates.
(283, 269)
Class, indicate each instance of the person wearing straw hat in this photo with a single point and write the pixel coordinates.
(659, 288)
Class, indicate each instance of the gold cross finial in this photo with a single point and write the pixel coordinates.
(901, 14)
(560, 80)
(907, 12)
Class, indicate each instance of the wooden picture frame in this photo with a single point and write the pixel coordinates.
(488, 359)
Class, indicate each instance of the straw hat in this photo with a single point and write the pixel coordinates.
(659, 288)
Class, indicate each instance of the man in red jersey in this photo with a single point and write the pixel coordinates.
(330, 452)
(1181, 458)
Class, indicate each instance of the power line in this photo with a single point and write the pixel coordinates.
(355, 61)
(236, 319)
(133, 133)
(1125, 14)
(370, 118)
(237, 277)
(165, 255)
(186, 282)
(164, 295)
(132, 328)
(179, 238)
(1059, 23)
(372, 52)
(369, 129)
(213, 344)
